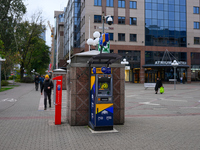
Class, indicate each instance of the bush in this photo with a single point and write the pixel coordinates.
(4, 83)
(17, 80)
(27, 80)
(13, 76)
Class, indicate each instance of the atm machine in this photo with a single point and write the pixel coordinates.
(101, 99)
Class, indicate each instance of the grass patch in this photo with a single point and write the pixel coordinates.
(5, 89)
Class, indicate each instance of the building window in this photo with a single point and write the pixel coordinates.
(121, 20)
(109, 3)
(133, 37)
(97, 2)
(133, 21)
(133, 4)
(196, 25)
(196, 40)
(121, 36)
(111, 35)
(196, 10)
(97, 18)
(121, 3)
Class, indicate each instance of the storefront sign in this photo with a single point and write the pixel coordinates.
(169, 62)
(105, 28)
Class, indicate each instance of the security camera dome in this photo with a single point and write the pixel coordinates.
(109, 20)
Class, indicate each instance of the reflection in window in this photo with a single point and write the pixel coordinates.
(133, 21)
(165, 22)
(121, 3)
(121, 20)
(196, 25)
(133, 37)
(111, 36)
(121, 36)
(97, 2)
(109, 3)
(196, 40)
(97, 18)
(133, 4)
(196, 10)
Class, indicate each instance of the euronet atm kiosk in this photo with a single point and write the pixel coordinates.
(101, 99)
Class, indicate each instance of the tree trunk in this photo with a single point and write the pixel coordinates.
(21, 71)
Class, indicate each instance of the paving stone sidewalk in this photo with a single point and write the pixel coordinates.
(169, 121)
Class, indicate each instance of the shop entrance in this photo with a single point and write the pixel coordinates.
(136, 75)
(151, 76)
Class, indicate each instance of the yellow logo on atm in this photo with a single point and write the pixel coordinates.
(103, 86)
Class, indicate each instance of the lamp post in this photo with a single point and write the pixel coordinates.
(94, 42)
(174, 64)
(1, 60)
(110, 20)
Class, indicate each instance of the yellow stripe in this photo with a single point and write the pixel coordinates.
(92, 80)
(101, 107)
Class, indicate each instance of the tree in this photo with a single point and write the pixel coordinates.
(11, 12)
(40, 57)
(30, 45)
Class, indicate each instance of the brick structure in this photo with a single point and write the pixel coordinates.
(78, 91)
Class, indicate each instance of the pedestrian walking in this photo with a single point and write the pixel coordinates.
(47, 86)
(36, 81)
(41, 81)
(158, 85)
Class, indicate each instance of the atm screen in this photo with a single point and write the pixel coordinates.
(104, 84)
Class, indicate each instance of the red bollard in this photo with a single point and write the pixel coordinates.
(58, 102)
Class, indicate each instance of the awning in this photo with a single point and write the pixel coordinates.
(162, 65)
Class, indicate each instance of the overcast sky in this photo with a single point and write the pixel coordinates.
(47, 7)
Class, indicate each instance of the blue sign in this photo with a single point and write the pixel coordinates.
(103, 69)
(108, 71)
(94, 70)
(59, 87)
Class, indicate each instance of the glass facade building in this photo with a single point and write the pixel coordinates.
(165, 23)
(72, 25)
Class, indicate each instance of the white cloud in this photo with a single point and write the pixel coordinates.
(47, 7)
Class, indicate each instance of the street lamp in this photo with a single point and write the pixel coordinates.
(94, 42)
(1, 60)
(174, 64)
(124, 62)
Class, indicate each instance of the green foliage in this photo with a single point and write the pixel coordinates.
(4, 83)
(12, 77)
(11, 12)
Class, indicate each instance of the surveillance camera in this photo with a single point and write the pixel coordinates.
(109, 20)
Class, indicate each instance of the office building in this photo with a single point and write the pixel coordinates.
(150, 34)
(59, 60)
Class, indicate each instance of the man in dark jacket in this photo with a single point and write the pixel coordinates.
(47, 86)
(158, 85)
(36, 81)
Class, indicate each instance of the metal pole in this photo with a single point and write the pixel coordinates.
(174, 78)
(103, 22)
(0, 75)
(89, 31)
(69, 48)
(102, 33)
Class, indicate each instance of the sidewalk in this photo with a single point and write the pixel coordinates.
(166, 121)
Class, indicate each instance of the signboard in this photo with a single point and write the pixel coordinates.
(105, 49)
(169, 62)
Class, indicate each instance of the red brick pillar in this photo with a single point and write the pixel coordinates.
(142, 70)
(189, 69)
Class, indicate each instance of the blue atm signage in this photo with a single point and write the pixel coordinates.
(102, 70)
(104, 114)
